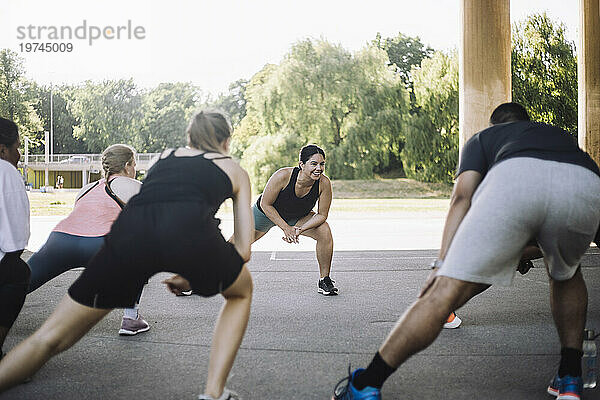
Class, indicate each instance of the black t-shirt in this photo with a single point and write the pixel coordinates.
(522, 139)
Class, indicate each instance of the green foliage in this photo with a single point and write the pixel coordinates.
(269, 153)
(166, 111)
(63, 120)
(544, 72)
(404, 52)
(108, 113)
(431, 150)
(351, 105)
(234, 102)
(392, 104)
(16, 99)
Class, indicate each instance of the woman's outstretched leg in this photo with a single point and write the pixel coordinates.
(229, 332)
(67, 324)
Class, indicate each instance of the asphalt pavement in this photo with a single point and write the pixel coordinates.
(300, 343)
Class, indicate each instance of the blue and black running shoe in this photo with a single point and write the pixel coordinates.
(347, 391)
(566, 388)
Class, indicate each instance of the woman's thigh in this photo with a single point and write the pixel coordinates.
(60, 253)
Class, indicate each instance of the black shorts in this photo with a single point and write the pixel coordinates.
(151, 238)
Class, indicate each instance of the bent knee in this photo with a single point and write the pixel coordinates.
(241, 287)
(451, 292)
(324, 232)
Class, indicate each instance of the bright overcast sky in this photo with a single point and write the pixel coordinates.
(213, 43)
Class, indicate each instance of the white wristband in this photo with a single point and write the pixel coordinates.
(437, 263)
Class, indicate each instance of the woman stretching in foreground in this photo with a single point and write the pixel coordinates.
(168, 226)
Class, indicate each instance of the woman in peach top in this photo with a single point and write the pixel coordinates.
(75, 240)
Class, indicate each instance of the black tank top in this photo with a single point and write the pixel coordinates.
(185, 179)
(288, 205)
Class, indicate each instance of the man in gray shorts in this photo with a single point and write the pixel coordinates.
(492, 217)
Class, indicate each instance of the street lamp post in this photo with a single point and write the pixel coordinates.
(46, 150)
(51, 124)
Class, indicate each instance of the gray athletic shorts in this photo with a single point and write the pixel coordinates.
(263, 223)
(519, 199)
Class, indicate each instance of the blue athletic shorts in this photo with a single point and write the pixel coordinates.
(263, 223)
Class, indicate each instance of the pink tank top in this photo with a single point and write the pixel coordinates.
(92, 215)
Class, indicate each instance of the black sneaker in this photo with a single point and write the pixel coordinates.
(524, 266)
(326, 287)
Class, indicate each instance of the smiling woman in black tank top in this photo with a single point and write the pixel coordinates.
(169, 225)
(288, 201)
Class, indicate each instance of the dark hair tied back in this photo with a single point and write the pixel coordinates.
(310, 150)
(208, 129)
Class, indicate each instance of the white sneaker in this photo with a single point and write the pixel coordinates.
(452, 322)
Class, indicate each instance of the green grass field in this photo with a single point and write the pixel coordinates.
(56, 203)
(374, 196)
(400, 188)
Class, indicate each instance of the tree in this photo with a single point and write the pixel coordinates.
(166, 111)
(266, 154)
(544, 71)
(431, 149)
(252, 124)
(63, 120)
(350, 104)
(16, 102)
(108, 113)
(234, 102)
(405, 53)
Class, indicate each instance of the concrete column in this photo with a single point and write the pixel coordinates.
(484, 63)
(84, 177)
(588, 73)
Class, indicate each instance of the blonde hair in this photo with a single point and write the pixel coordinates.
(115, 158)
(208, 130)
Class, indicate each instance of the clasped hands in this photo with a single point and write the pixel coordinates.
(291, 234)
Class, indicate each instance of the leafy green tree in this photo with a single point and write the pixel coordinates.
(405, 53)
(252, 124)
(63, 120)
(166, 111)
(375, 134)
(234, 102)
(16, 101)
(350, 104)
(431, 150)
(268, 153)
(108, 113)
(544, 71)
